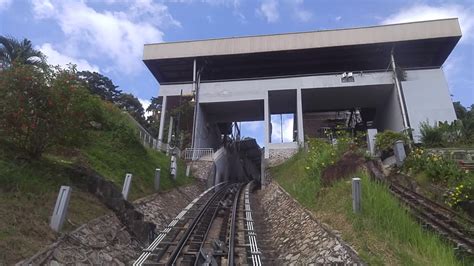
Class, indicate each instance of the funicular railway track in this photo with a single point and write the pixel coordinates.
(455, 228)
(211, 230)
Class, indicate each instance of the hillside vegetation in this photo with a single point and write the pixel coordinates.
(384, 233)
(49, 124)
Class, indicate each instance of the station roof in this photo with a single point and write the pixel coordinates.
(416, 45)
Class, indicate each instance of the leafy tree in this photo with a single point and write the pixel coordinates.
(100, 85)
(132, 105)
(13, 50)
(153, 121)
(43, 107)
(460, 110)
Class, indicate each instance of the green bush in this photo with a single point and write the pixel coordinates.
(43, 107)
(442, 171)
(384, 141)
(444, 134)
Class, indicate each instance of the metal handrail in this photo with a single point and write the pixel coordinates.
(198, 154)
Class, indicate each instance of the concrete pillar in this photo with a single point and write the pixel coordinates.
(371, 132)
(266, 117)
(399, 150)
(126, 186)
(299, 117)
(356, 195)
(162, 122)
(157, 179)
(188, 170)
(170, 133)
(173, 167)
(60, 209)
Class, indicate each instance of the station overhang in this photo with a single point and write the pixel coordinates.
(425, 44)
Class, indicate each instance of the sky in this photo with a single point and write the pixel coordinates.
(108, 35)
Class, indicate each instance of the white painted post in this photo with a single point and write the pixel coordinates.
(60, 209)
(188, 170)
(371, 140)
(157, 179)
(356, 195)
(126, 185)
(173, 167)
(399, 150)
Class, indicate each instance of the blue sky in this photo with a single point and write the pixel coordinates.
(108, 35)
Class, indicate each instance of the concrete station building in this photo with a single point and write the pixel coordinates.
(310, 73)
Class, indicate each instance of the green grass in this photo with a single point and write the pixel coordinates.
(384, 233)
(28, 190)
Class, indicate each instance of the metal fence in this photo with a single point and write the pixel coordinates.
(203, 154)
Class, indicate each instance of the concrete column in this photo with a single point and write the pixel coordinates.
(399, 150)
(371, 132)
(188, 170)
(299, 117)
(60, 209)
(170, 133)
(157, 179)
(162, 122)
(266, 118)
(356, 195)
(173, 167)
(126, 186)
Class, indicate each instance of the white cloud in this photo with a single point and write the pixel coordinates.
(145, 104)
(56, 58)
(287, 128)
(269, 10)
(4, 4)
(299, 11)
(426, 12)
(114, 36)
(303, 15)
(338, 18)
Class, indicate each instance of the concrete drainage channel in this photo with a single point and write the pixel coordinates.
(229, 224)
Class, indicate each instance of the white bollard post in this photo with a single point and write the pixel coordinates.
(188, 170)
(371, 140)
(60, 209)
(126, 186)
(356, 195)
(173, 168)
(399, 150)
(157, 179)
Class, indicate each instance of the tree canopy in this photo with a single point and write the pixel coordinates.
(13, 50)
(100, 85)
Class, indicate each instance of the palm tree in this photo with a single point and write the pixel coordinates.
(13, 50)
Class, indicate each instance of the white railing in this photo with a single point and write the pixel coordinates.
(203, 154)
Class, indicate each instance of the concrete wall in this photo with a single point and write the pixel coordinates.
(243, 90)
(427, 98)
(207, 133)
(389, 114)
(230, 166)
(280, 152)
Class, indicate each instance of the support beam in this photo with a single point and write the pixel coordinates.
(170, 133)
(299, 117)
(401, 100)
(266, 112)
(162, 122)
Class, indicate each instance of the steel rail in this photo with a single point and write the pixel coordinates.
(233, 230)
(210, 225)
(252, 236)
(151, 248)
(429, 212)
(190, 229)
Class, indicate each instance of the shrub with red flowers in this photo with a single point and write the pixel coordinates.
(44, 107)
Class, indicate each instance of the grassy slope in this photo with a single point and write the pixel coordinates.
(28, 191)
(384, 233)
